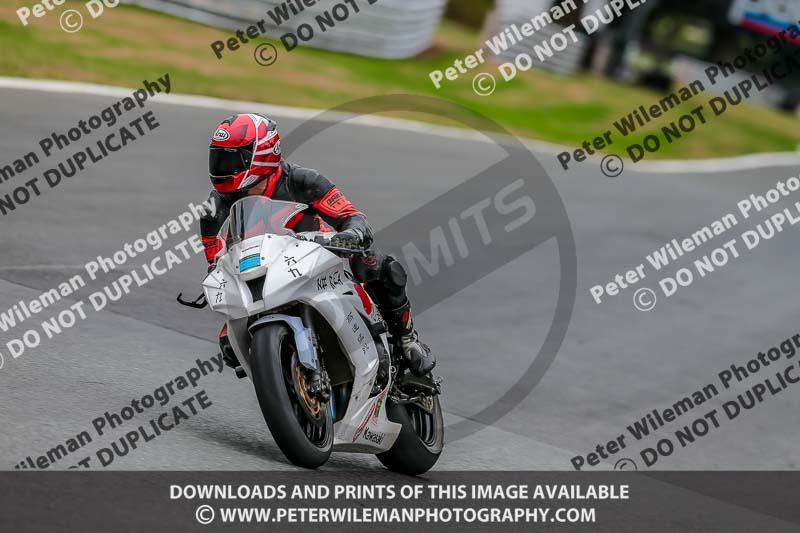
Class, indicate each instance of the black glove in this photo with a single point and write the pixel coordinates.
(351, 239)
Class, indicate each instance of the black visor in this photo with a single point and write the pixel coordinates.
(224, 162)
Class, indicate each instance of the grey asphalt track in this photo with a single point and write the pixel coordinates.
(616, 364)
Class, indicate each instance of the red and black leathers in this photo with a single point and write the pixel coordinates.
(384, 278)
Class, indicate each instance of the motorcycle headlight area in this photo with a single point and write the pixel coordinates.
(249, 262)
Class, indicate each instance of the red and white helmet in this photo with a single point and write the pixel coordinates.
(245, 150)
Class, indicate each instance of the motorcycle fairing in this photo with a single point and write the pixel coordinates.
(291, 271)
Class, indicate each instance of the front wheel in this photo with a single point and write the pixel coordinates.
(301, 425)
(421, 438)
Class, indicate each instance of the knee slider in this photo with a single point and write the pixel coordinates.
(395, 272)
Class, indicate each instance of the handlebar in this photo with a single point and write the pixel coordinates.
(323, 240)
(347, 251)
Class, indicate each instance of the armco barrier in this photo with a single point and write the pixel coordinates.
(391, 29)
(518, 12)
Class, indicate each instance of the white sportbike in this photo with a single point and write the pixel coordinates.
(327, 375)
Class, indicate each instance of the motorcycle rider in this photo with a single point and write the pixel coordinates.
(245, 159)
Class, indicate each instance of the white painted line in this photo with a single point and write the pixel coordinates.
(699, 166)
(732, 164)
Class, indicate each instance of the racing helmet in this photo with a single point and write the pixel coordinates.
(245, 150)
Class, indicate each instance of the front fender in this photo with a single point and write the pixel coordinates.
(306, 352)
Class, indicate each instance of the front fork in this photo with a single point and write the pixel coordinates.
(319, 385)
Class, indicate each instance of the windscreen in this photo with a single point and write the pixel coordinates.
(257, 215)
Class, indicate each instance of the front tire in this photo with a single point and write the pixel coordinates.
(421, 438)
(305, 442)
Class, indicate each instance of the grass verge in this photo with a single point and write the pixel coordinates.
(127, 45)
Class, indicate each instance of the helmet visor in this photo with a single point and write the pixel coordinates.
(224, 162)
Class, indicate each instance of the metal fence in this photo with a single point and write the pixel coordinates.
(388, 28)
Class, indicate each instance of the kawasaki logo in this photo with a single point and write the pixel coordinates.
(373, 436)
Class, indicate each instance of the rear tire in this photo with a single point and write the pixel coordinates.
(274, 358)
(419, 444)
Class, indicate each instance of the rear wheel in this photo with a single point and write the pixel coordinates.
(421, 438)
(300, 424)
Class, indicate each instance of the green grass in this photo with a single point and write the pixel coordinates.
(127, 45)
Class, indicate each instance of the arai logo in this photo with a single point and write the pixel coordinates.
(221, 135)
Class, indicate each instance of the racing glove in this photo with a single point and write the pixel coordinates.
(352, 239)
